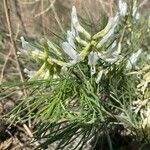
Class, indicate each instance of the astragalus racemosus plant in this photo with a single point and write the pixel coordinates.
(90, 82)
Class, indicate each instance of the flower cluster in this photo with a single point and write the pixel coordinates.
(91, 49)
(110, 65)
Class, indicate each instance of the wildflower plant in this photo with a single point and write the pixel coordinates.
(89, 82)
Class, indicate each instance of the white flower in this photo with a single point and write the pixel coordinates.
(122, 8)
(75, 25)
(137, 16)
(118, 50)
(69, 50)
(105, 38)
(109, 30)
(114, 44)
(70, 39)
(110, 58)
(113, 21)
(21, 51)
(74, 22)
(99, 76)
(112, 54)
(29, 50)
(26, 45)
(111, 48)
(30, 74)
(133, 59)
(92, 58)
(92, 61)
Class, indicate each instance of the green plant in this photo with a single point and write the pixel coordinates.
(90, 83)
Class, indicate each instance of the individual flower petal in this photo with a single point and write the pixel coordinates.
(30, 74)
(76, 27)
(69, 51)
(99, 76)
(133, 59)
(25, 45)
(114, 44)
(111, 48)
(137, 16)
(109, 30)
(92, 61)
(70, 39)
(22, 51)
(111, 58)
(122, 8)
(74, 21)
(105, 38)
(119, 48)
(93, 70)
(27, 48)
(113, 21)
(117, 51)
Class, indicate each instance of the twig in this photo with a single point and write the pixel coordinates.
(3, 55)
(7, 57)
(104, 4)
(57, 18)
(4, 66)
(30, 133)
(12, 41)
(15, 54)
(46, 10)
(14, 47)
(18, 14)
(142, 3)
(29, 3)
(42, 19)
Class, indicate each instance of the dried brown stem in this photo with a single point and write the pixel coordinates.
(4, 66)
(46, 10)
(14, 47)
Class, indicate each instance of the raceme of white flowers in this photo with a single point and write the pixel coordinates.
(69, 54)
